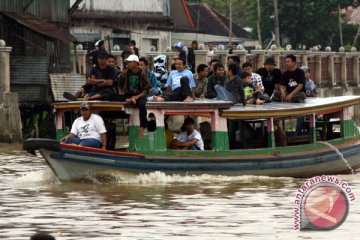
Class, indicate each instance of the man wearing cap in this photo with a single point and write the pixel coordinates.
(134, 86)
(102, 80)
(88, 130)
(270, 75)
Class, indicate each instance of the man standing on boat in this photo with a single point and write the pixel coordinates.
(292, 85)
(88, 130)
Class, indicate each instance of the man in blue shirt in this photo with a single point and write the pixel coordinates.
(180, 84)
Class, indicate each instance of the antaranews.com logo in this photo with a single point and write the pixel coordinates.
(322, 203)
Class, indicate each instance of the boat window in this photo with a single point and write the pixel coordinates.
(116, 123)
(248, 133)
(298, 131)
(328, 126)
(68, 118)
(173, 126)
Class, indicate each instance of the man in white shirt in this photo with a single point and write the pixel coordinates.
(189, 138)
(210, 53)
(88, 130)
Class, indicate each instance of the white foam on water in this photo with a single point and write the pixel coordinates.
(35, 177)
(158, 177)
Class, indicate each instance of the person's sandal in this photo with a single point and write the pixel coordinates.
(69, 96)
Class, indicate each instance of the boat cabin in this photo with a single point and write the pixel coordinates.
(224, 126)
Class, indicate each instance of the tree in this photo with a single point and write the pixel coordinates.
(301, 22)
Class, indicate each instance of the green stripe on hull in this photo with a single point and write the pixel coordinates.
(349, 129)
(60, 134)
(152, 140)
(219, 141)
(247, 152)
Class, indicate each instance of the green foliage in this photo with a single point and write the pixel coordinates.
(320, 24)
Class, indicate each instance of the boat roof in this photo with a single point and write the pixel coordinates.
(105, 105)
(228, 109)
(196, 104)
(278, 109)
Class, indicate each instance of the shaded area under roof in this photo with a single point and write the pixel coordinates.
(212, 22)
(40, 26)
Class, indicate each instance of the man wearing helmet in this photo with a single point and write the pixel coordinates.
(99, 46)
(179, 47)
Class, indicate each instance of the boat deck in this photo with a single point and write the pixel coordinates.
(278, 109)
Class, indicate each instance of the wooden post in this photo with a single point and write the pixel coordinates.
(4, 67)
(271, 133)
(10, 127)
(312, 121)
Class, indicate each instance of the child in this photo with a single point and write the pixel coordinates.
(310, 87)
(253, 95)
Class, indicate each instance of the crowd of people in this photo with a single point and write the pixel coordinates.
(187, 81)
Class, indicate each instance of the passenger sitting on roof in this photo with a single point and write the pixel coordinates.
(134, 86)
(180, 84)
(201, 82)
(310, 87)
(189, 138)
(233, 89)
(88, 130)
(256, 82)
(217, 78)
(144, 65)
(252, 94)
(100, 84)
(292, 85)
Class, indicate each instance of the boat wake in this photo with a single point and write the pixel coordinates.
(154, 178)
(161, 178)
(33, 178)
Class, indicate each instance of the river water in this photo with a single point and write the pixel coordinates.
(152, 206)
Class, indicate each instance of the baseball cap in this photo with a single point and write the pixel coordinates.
(305, 68)
(102, 54)
(270, 61)
(132, 58)
(85, 105)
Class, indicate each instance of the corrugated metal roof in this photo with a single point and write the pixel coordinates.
(30, 93)
(152, 6)
(61, 83)
(29, 70)
(51, 10)
(40, 26)
(29, 77)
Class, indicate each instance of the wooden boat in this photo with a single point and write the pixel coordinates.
(330, 143)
